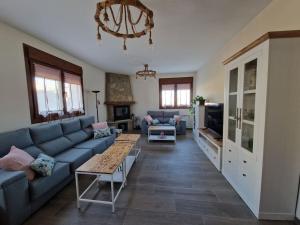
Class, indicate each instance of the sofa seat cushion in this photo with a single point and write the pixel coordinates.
(42, 185)
(75, 157)
(97, 145)
(78, 137)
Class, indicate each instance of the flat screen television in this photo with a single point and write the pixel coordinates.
(214, 118)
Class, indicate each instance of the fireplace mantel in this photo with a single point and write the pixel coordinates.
(119, 103)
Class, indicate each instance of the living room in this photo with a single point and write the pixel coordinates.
(186, 114)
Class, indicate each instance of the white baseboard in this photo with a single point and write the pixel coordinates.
(276, 216)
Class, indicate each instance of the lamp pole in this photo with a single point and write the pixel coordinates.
(96, 94)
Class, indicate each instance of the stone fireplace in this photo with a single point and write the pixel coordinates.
(118, 99)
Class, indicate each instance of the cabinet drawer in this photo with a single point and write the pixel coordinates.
(247, 180)
(229, 166)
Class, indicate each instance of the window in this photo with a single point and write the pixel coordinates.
(54, 86)
(48, 90)
(175, 92)
(73, 93)
(167, 95)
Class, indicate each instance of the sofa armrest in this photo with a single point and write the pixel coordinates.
(144, 126)
(182, 123)
(9, 177)
(182, 127)
(14, 197)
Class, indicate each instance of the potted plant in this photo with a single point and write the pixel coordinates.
(199, 100)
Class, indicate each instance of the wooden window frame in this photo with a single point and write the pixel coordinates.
(175, 81)
(33, 55)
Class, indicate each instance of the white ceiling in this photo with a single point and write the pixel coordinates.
(186, 33)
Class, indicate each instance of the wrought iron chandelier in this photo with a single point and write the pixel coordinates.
(146, 72)
(116, 18)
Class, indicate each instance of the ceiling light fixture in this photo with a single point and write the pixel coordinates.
(146, 72)
(116, 18)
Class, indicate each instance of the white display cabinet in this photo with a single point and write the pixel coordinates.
(261, 156)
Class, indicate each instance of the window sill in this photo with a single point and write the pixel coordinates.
(181, 107)
(55, 117)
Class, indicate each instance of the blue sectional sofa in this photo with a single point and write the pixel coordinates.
(164, 117)
(70, 143)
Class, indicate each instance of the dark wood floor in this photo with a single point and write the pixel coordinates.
(169, 185)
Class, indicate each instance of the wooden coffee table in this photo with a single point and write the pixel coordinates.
(131, 138)
(164, 129)
(109, 166)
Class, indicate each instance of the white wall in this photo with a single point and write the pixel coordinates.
(146, 94)
(279, 15)
(14, 105)
(298, 209)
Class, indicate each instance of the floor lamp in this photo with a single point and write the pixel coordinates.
(96, 94)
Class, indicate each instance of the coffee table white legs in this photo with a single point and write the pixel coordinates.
(114, 197)
(112, 193)
(77, 190)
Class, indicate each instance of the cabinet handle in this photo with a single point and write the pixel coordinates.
(244, 161)
(237, 117)
(240, 119)
(244, 175)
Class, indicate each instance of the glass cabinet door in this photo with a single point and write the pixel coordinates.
(248, 113)
(232, 103)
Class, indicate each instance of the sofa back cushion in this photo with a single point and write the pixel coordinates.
(170, 114)
(86, 125)
(78, 137)
(50, 139)
(44, 133)
(20, 138)
(87, 121)
(72, 126)
(156, 114)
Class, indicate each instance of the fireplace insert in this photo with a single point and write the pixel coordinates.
(121, 112)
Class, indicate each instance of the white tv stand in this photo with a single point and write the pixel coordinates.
(211, 146)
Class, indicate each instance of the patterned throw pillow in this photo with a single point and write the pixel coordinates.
(43, 165)
(155, 122)
(172, 121)
(102, 133)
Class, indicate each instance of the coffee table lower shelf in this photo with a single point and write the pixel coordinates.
(159, 138)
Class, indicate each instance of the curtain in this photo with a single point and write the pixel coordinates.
(73, 92)
(183, 94)
(167, 95)
(48, 90)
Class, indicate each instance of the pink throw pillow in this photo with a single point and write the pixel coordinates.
(101, 125)
(149, 119)
(177, 118)
(18, 160)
